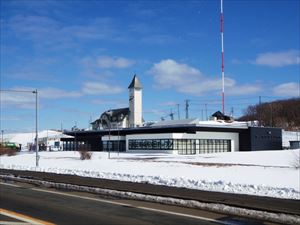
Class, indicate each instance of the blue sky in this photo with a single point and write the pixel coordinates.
(82, 55)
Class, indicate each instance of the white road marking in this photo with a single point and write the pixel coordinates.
(7, 184)
(138, 207)
(183, 214)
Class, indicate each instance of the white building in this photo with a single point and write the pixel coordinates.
(122, 130)
(135, 103)
(124, 117)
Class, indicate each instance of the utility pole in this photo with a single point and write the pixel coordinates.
(231, 113)
(178, 113)
(187, 108)
(271, 119)
(259, 111)
(109, 113)
(206, 111)
(2, 131)
(89, 125)
(118, 138)
(172, 115)
(37, 157)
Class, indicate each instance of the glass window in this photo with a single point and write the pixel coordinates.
(184, 146)
(214, 145)
(150, 144)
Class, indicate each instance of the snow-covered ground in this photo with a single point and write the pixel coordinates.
(265, 173)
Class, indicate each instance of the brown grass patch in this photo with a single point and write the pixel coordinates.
(7, 151)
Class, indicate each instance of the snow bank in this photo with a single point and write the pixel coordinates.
(267, 173)
(25, 138)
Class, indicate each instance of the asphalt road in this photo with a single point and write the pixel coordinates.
(61, 207)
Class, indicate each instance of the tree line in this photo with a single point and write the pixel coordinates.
(279, 113)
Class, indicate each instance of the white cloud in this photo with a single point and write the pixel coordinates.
(168, 73)
(160, 39)
(243, 89)
(49, 32)
(236, 61)
(169, 103)
(18, 99)
(55, 93)
(278, 59)
(114, 62)
(110, 103)
(10, 118)
(186, 79)
(93, 88)
(290, 89)
(26, 98)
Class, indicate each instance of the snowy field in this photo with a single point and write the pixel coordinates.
(265, 173)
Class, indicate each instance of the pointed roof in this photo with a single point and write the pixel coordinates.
(135, 83)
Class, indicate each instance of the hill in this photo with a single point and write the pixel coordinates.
(280, 113)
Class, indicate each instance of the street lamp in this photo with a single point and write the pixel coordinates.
(36, 121)
(121, 118)
(37, 157)
(118, 138)
(109, 113)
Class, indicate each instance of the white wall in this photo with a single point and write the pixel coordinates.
(135, 107)
(288, 136)
(113, 138)
(138, 108)
(234, 137)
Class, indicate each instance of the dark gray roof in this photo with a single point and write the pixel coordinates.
(221, 116)
(113, 114)
(117, 112)
(135, 83)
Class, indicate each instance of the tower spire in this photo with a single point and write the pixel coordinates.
(135, 102)
(135, 83)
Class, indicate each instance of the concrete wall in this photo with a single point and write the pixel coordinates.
(135, 107)
(113, 138)
(234, 137)
(288, 136)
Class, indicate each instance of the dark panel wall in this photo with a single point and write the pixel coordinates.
(260, 138)
(263, 138)
(94, 141)
(245, 140)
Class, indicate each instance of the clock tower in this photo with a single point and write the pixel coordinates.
(135, 103)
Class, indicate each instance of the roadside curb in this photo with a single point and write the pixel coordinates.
(214, 207)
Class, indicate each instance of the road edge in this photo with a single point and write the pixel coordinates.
(214, 207)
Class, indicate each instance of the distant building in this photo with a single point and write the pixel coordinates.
(124, 117)
(122, 130)
(115, 118)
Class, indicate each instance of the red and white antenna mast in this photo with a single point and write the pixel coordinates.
(222, 44)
